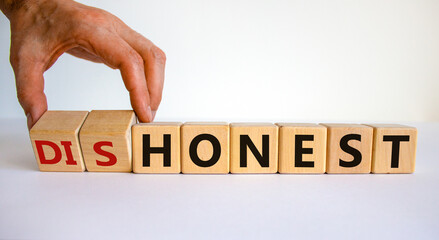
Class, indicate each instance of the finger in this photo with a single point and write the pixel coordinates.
(80, 52)
(118, 54)
(30, 89)
(155, 60)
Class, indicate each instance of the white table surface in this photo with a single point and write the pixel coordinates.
(41, 205)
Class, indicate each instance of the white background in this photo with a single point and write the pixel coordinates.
(311, 61)
(256, 60)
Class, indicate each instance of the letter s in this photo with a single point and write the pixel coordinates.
(111, 158)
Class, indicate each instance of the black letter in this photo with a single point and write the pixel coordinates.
(396, 140)
(300, 151)
(262, 159)
(165, 150)
(354, 152)
(216, 150)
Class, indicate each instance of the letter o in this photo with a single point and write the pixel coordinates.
(216, 150)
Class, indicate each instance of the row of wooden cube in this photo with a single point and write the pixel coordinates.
(111, 141)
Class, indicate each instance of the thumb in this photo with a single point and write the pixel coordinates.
(29, 81)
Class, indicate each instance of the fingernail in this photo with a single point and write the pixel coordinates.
(153, 114)
(149, 112)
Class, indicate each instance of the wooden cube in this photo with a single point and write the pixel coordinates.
(349, 148)
(302, 148)
(205, 147)
(156, 147)
(55, 141)
(394, 148)
(253, 148)
(106, 140)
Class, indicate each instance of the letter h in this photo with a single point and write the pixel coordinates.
(165, 150)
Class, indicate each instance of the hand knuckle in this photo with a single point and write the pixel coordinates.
(23, 95)
(17, 56)
(158, 55)
(135, 58)
(89, 20)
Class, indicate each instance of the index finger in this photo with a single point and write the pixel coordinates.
(155, 60)
(119, 54)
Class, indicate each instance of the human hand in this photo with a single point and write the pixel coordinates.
(42, 30)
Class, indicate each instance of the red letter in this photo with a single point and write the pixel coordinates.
(39, 145)
(70, 160)
(111, 158)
